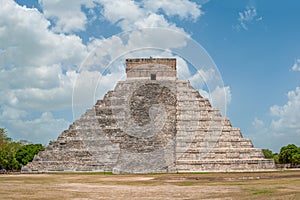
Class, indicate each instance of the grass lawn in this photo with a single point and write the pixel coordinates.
(259, 185)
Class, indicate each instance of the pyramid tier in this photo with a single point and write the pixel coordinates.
(151, 126)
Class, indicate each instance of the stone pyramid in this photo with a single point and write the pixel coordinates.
(151, 123)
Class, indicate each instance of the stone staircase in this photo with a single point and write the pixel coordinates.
(207, 142)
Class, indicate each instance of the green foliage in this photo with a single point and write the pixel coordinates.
(296, 159)
(268, 153)
(3, 136)
(287, 153)
(27, 152)
(8, 151)
(276, 158)
(13, 154)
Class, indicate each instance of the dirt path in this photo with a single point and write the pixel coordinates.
(275, 185)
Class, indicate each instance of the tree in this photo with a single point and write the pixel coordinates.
(15, 154)
(27, 152)
(287, 152)
(296, 159)
(8, 151)
(276, 158)
(267, 153)
(3, 137)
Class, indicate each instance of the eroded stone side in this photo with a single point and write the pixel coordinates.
(132, 130)
(207, 142)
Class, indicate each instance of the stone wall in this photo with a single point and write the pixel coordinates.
(137, 62)
(144, 68)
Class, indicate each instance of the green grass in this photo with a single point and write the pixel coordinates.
(263, 191)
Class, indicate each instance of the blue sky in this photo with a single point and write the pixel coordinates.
(46, 51)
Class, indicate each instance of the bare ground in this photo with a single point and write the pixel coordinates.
(263, 185)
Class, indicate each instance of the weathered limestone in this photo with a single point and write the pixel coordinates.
(151, 123)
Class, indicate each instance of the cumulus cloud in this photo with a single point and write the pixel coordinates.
(37, 65)
(37, 71)
(284, 127)
(43, 77)
(67, 15)
(219, 97)
(44, 62)
(258, 124)
(206, 76)
(122, 13)
(27, 41)
(41, 129)
(183, 71)
(287, 117)
(207, 82)
(183, 8)
(116, 12)
(10, 113)
(154, 20)
(41, 99)
(146, 13)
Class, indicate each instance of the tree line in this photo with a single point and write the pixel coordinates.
(13, 155)
(289, 154)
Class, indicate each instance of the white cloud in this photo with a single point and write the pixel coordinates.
(161, 38)
(219, 97)
(130, 15)
(43, 77)
(153, 20)
(296, 66)
(207, 82)
(38, 130)
(183, 8)
(9, 113)
(284, 127)
(247, 17)
(40, 57)
(206, 75)
(37, 88)
(67, 14)
(287, 117)
(183, 71)
(37, 65)
(122, 13)
(26, 41)
(258, 124)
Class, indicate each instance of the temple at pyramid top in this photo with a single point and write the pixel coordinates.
(151, 68)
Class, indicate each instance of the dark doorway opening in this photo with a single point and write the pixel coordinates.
(153, 76)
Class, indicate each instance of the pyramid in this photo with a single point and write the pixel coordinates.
(151, 123)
